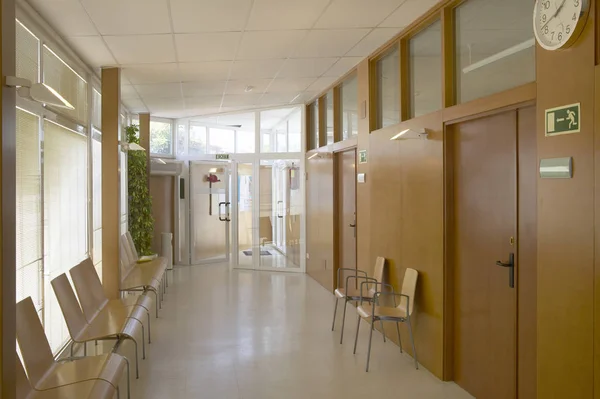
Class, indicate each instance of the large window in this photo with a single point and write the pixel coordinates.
(161, 137)
(198, 139)
(329, 120)
(280, 130)
(349, 105)
(313, 127)
(27, 54)
(388, 89)
(426, 71)
(493, 54)
(221, 141)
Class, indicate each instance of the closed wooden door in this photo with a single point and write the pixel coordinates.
(346, 197)
(484, 171)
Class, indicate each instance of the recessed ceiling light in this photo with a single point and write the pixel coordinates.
(248, 89)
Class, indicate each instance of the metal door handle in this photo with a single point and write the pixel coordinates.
(511, 269)
(226, 219)
(278, 215)
(352, 225)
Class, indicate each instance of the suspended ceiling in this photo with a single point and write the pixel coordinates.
(197, 57)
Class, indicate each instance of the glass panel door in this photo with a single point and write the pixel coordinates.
(210, 209)
(243, 251)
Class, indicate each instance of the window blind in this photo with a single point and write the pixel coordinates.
(27, 54)
(124, 193)
(97, 200)
(62, 78)
(96, 109)
(28, 208)
(65, 216)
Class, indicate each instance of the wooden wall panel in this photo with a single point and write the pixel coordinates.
(161, 191)
(565, 312)
(407, 225)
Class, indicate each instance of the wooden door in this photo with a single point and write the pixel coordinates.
(163, 210)
(484, 157)
(346, 209)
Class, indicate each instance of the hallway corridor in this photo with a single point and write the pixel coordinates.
(259, 335)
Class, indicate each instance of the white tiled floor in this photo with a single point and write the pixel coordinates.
(260, 335)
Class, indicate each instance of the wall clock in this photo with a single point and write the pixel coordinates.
(558, 23)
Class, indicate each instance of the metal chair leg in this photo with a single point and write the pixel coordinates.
(412, 340)
(149, 329)
(356, 338)
(84, 349)
(137, 367)
(143, 341)
(128, 378)
(370, 339)
(334, 313)
(399, 338)
(155, 302)
(343, 320)
(382, 330)
(118, 393)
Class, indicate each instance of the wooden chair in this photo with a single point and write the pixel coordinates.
(158, 265)
(400, 313)
(100, 328)
(351, 292)
(93, 300)
(90, 389)
(44, 372)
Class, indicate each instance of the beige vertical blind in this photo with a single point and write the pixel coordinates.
(65, 215)
(97, 200)
(27, 54)
(29, 208)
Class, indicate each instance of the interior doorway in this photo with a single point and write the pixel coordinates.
(345, 177)
(489, 253)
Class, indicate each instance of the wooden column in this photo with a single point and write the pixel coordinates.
(111, 156)
(364, 260)
(145, 141)
(7, 204)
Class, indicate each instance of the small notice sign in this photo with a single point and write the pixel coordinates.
(222, 156)
(362, 156)
(563, 120)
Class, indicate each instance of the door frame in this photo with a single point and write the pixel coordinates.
(448, 324)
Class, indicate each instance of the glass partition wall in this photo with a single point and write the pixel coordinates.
(259, 213)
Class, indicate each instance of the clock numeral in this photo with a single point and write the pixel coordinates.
(546, 29)
(560, 36)
(576, 3)
(568, 30)
(546, 4)
(544, 17)
(574, 17)
(553, 35)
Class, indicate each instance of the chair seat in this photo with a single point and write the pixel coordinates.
(353, 292)
(138, 279)
(93, 389)
(107, 367)
(140, 300)
(382, 312)
(117, 309)
(156, 267)
(105, 325)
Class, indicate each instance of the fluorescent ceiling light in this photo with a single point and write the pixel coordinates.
(411, 134)
(316, 154)
(39, 92)
(503, 54)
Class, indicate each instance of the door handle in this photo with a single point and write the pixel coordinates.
(227, 208)
(226, 219)
(352, 225)
(511, 269)
(278, 215)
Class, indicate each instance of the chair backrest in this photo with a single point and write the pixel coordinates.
(76, 322)
(132, 247)
(379, 268)
(89, 288)
(24, 389)
(33, 343)
(409, 286)
(129, 256)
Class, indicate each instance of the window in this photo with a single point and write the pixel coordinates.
(221, 141)
(494, 52)
(182, 139)
(329, 116)
(96, 109)
(313, 112)
(349, 111)
(27, 54)
(426, 71)
(62, 78)
(280, 130)
(197, 140)
(65, 214)
(388, 89)
(245, 142)
(161, 137)
(97, 200)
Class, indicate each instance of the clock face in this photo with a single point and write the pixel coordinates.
(558, 23)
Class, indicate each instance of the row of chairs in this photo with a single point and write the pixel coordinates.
(90, 316)
(367, 293)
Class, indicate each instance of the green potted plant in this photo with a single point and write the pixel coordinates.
(141, 222)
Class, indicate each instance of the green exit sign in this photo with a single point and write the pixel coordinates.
(563, 120)
(222, 156)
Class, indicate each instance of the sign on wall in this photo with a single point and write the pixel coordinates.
(563, 120)
(362, 156)
(222, 156)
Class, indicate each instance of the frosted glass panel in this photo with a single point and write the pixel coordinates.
(27, 54)
(388, 89)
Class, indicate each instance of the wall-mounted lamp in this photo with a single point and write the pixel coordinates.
(320, 155)
(158, 160)
(39, 92)
(132, 146)
(411, 134)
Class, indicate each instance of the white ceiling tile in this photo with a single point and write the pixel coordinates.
(357, 13)
(135, 105)
(306, 97)
(160, 104)
(215, 46)
(209, 15)
(256, 69)
(239, 86)
(92, 50)
(280, 44)
(128, 92)
(290, 85)
(305, 67)
(129, 17)
(271, 99)
(196, 111)
(408, 13)
(203, 102)
(166, 90)
(241, 100)
(194, 89)
(342, 66)
(143, 49)
(329, 43)
(204, 71)
(373, 41)
(156, 73)
(68, 17)
(321, 84)
(278, 14)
